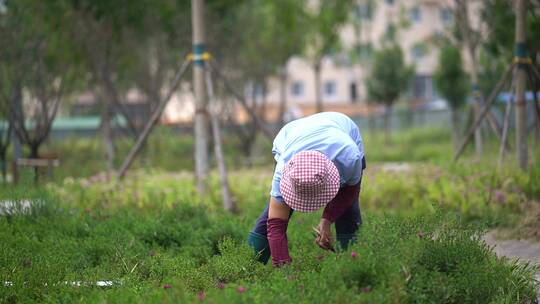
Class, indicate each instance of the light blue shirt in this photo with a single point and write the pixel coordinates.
(331, 133)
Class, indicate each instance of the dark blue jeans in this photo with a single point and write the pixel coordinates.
(347, 223)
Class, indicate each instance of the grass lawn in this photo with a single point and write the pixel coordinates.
(157, 241)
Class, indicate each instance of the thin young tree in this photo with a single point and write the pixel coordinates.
(99, 35)
(472, 36)
(521, 83)
(275, 30)
(5, 137)
(36, 71)
(157, 49)
(325, 21)
(452, 82)
(290, 30)
(388, 79)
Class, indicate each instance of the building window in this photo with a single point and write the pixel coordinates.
(364, 50)
(297, 89)
(329, 88)
(419, 50)
(422, 87)
(364, 11)
(416, 14)
(446, 15)
(354, 92)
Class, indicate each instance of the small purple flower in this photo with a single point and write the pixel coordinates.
(201, 295)
(366, 289)
(241, 289)
(500, 198)
(167, 286)
(354, 254)
(220, 285)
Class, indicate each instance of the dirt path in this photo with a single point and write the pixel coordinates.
(519, 249)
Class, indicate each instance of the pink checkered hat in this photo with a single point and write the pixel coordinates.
(309, 181)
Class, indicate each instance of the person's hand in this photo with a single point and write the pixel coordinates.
(324, 235)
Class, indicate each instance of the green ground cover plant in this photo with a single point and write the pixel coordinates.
(158, 242)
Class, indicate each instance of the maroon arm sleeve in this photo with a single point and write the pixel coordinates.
(277, 239)
(344, 199)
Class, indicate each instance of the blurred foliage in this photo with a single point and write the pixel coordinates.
(38, 69)
(498, 49)
(500, 17)
(172, 151)
(325, 19)
(451, 79)
(390, 76)
(491, 70)
(122, 45)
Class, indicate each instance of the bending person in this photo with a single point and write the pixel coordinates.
(319, 163)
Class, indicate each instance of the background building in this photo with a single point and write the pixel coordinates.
(415, 25)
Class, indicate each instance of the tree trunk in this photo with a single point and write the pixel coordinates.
(283, 95)
(228, 203)
(387, 124)
(3, 165)
(455, 128)
(506, 122)
(262, 106)
(477, 111)
(4, 145)
(318, 97)
(537, 115)
(534, 80)
(34, 154)
(521, 114)
(201, 119)
(18, 134)
(252, 131)
(470, 45)
(108, 142)
(112, 94)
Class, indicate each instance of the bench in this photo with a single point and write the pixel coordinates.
(35, 163)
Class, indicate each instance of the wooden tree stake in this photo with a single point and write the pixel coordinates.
(228, 202)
